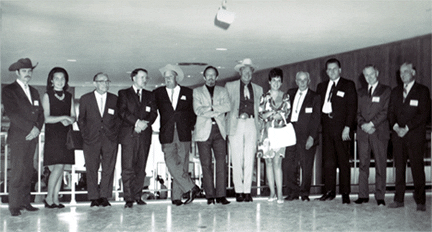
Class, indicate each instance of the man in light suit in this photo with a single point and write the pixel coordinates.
(305, 117)
(138, 112)
(243, 127)
(409, 111)
(177, 120)
(23, 107)
(210, 104)
(98, 121)
(372, 134)
(339, 110)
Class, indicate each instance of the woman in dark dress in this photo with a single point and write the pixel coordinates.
(59, 114)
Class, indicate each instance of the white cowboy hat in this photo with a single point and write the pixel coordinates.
(175, 68)
(245, 62)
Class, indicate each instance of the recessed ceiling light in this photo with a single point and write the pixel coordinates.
(129, 72)
(71, 60)
(221, 49)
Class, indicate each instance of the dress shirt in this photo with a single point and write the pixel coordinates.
(173, 95)
(297, 104)
(26, 89)
(327, 107)
(101, 100)
(373, 87)
(136, 91)
(409, 86)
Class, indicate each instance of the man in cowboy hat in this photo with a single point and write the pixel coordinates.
(243, 127)
(177, 120)
(22, 106)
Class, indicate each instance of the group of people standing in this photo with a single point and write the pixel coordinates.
(210, 115)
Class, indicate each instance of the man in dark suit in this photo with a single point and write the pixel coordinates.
(409, 111)
(372, 134)
(138, 111)
(338, 114)
(177, 120)
(305, 117)
(98, 121)
(24, 109)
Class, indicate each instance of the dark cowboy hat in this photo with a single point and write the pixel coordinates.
(22, 63)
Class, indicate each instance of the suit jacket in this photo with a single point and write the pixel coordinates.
(220, 104)
(344, 106)
(414, 112)
(182, 116)
(309, 115)
(23, 115)
(373, 109)
(233, 89)
(131, 109)
(90, 122)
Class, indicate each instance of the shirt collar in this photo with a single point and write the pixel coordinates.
(21, 83)
(373, 86)
(99, 95)
(335, 81)
(177, 88)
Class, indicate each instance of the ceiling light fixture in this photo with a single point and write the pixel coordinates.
(71, 60)
(223, 17)
(221, 49)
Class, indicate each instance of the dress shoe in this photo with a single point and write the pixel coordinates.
(328, 196)
(94, 203)
(104, 202)
(177, 202)
(60, 206)
(271, 199)
(193, 193)
(421, 207)
(380, 202)
(129, 204)
(248, 197)
(29, 208)
(280, 201)
(210, 201)
(291, 198)
(305, 198)
(15, 212)
(52, 206)
(140, 202)
(345, 199)
(396, 204)
(239, 197)
(222, 200)
(361, 200)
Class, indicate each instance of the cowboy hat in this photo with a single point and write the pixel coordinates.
(175, 68)
(22, 63)
(245, 62)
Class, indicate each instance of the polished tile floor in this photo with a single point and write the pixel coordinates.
(259, 215)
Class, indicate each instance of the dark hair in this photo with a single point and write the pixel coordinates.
(370, 66)
(135, 72)
(50, 85)
(276, 72)
(211, 67)
(99, 73)
(331, 61)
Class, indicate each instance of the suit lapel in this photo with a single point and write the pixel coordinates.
(94, 105)
(134, 96)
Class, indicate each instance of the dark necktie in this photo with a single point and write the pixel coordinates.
(405, 92)
(331, 91)
(370, 92)
(139, 94)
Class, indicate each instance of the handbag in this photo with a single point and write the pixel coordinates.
(74, 140)
(282, 136)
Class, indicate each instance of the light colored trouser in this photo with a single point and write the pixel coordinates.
(243, 147)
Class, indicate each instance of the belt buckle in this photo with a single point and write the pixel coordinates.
(244, 116)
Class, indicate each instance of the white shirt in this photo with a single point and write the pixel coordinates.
(136, 91)
(373, 87)
(409, 86)
(173, 96)
(26, 90)
(327, 107)
(297, 104)
(101, 101)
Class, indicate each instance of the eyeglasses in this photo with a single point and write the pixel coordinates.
(106, 82)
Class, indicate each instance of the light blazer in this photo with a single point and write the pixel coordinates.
(233, 89)
(91, 123)
(201, 103)
(22, 114)
(131, 109)
(373, 109)
(308, 121)
(182, 116)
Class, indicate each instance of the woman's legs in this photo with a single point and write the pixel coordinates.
(270, 177)
(54, 183)
(277, 167)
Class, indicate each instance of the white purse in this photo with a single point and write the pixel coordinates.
(282, 136)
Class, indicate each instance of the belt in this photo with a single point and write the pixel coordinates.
(245, 116)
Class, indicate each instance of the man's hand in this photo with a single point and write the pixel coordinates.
(33, 133)
(368, 127)
(309, 142)
(403, 131)
(141, 125)
(345, 134)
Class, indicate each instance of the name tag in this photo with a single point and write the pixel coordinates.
(375, 99)
(36, 102)
(183, 97)
(111, 111)
(414, 102)
(148, 108)
(340, 93)
(308, 110)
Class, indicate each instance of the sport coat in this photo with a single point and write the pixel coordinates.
(22, 114)
(414, 112)
(131, 109)
(344, 105)
(309, 115)
(219, 104)
(373, 109)
(92, 124)
(233, 89)
(182, 116)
